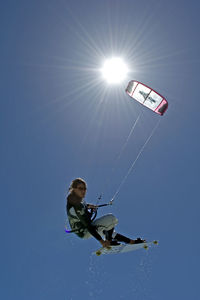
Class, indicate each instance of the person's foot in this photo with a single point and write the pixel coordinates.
(137, 241)
(114, 243)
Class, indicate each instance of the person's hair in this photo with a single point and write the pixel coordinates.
(76, 182)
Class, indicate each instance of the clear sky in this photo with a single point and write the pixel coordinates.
(59, 120)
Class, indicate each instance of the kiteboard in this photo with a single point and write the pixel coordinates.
(122, 248)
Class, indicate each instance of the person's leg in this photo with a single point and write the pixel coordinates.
(114, 238)
(122, 238)
(105, 224)
(126, 240)
(109, 234)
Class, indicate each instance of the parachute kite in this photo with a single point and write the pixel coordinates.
(147, 96)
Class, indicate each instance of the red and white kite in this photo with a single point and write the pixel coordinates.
(147, 96)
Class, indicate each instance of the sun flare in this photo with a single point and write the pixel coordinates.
(114, 70)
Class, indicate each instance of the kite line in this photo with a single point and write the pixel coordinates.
(135, 160)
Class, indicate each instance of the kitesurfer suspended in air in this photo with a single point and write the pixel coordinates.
(80, 218)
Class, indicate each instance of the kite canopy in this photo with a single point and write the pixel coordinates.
(147, 96)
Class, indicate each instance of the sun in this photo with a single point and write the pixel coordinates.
(114, 70)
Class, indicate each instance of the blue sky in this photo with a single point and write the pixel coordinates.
(59, 120)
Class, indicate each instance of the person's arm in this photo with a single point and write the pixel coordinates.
(92, 206)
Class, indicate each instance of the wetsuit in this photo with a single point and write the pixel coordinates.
(79, 217)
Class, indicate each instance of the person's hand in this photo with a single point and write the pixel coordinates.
(105, 244)
(91, 206)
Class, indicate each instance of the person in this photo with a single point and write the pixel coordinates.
(82, 224)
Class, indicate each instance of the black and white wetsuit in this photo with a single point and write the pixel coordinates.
(79, 217)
